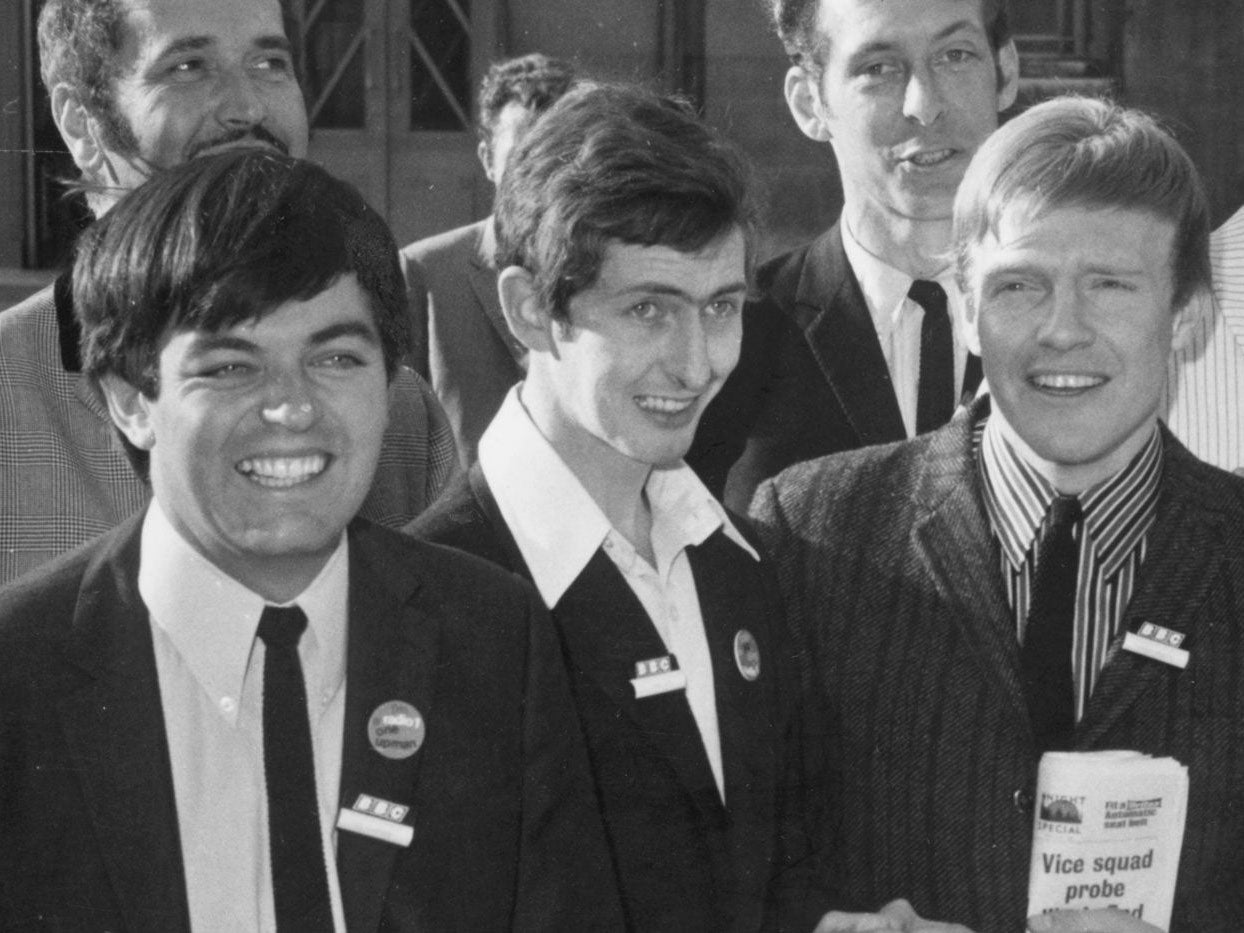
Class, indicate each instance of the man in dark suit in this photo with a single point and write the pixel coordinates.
(964, 601)
(625, 227)
(463, 347)
(851, 342)
(246, 708)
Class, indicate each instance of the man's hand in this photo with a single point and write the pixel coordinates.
(1109, 920)
(895, 917)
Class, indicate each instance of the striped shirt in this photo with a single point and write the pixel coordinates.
(1205, 388)
(1117, 515)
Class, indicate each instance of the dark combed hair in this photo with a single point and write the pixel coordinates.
(1082, 152)
(221, 240)
(797, 27)
(616, 162)
(535, 82)
(79, 43)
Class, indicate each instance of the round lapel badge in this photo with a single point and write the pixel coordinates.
(396, 729)
(747, 654)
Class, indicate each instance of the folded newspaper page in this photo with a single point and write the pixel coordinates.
(1107, 833)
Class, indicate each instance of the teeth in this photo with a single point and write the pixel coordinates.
(667, 406)
(1067, 381)
(931, 158)
(280, 472)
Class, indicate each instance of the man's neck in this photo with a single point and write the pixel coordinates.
(919, 248)
(614, 481)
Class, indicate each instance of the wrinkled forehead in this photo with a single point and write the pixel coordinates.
(151, 28)
(846, 27)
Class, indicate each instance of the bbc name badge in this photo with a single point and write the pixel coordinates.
(377, 818)
(1159, 643)
(656, 676)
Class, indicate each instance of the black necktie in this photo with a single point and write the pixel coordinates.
(299, 878)
(935, 401)
(1046, 654)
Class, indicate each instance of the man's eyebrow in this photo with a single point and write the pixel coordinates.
(211, 342)
(364, 332)
(185, 44)
(664, 288)
(270, 42)
(882, 45)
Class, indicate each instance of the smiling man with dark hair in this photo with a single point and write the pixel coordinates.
(625, 230)
(245, 708)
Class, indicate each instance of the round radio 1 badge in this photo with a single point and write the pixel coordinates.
(396, 729)
(747, 654)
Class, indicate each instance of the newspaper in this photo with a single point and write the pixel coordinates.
(1107, 832)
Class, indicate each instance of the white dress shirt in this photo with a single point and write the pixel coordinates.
(897, 320)
(210, 667)
(1205, 389)
(559, 527)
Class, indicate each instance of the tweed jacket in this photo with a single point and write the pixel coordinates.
(907, 647)
(507, 835)
(684, 861)
(64, 473)
(811, 379)
(463, 346)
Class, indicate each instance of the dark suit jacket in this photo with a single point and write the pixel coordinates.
(811, 379)
(892, 580)
(684, 861)
(506, 830)
(463, 346)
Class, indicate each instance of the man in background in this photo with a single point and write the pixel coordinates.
(852, 341)
(463, 347)
(138, 87)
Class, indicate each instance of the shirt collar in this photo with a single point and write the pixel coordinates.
(211, 619)
(559, 527)
(885, 287)
(1117, 511)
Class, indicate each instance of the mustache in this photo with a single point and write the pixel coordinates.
(256, 132)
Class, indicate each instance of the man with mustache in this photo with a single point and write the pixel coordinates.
(137, 87)
(852, 344)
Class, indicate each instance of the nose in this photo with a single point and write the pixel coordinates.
(1065, 324)
(689, 360)
(290, 404)
(922, 97)
(241, 102)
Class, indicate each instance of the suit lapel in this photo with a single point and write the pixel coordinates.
(1170, 591)
(484, 283)
(605, 631)
(508, 554)
(391, 655)
(114, 732)
(831, 310)
(729, 602)
(952, 538)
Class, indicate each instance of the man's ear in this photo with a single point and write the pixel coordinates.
(971, 322)
(1202, 306)
(525, 314)
(130, 410)
(1008, 75)
(80, 131)
(804, 100)
(484, 153)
